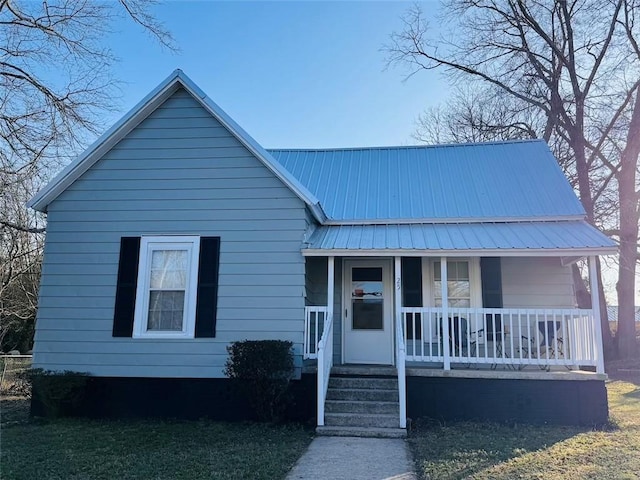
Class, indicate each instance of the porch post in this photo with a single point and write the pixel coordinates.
(397, 286)
(400, 357)
(330, 287)
(595, 308)
(445, 313)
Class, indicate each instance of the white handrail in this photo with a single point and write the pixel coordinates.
(314, 323)
(509, 336)
(325, 362)
(400, 366)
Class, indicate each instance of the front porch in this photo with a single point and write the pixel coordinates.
(518, 347)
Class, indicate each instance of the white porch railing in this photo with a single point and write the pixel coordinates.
(314, 322)
(325, 362)
(494, 336)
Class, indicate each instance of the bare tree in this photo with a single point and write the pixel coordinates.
(570, 70)
(55, 81)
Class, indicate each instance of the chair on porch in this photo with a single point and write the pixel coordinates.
(458, 338)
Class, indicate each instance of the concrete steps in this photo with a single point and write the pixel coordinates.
(362, 403)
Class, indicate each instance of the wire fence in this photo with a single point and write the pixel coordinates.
(13, 380)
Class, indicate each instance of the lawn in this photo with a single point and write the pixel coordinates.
(150, 449)
(491, 451)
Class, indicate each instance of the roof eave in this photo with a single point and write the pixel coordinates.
(493, 252)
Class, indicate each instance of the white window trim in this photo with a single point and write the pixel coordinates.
(475, 282)
(147, 246)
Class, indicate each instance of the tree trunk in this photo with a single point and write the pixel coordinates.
(578, 145)
(608, 344)
(629, 218)
(583, 298)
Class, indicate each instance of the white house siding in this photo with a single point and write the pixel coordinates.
(540, 282)
(178, 172)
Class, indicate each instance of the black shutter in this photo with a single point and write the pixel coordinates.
(491, 278)
(126, 287)
(412, 293)
(411, 282)
(207, 303)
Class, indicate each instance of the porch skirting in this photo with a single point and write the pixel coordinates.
(522, 397)
(183, 398)
(518, 400)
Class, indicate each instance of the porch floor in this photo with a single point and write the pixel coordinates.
(420, 369)
(416, 369)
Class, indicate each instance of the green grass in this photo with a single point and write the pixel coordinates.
(151, 449)
(492, 451)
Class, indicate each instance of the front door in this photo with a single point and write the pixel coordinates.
(368, 326)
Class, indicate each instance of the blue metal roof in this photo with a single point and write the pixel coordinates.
(570, 237)
(500, 180)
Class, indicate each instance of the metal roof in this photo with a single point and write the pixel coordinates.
(559, 238)
(515, 180)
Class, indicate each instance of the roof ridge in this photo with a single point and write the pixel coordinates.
(412, 147)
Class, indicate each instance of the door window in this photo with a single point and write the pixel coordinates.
(367, 302)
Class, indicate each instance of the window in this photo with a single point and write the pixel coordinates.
(459, 284)
(161, 282)
(167, 283)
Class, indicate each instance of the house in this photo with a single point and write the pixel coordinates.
(176, 233)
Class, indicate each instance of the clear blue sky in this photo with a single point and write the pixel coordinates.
(293, 74)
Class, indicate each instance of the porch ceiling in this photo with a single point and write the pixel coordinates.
(562, 238)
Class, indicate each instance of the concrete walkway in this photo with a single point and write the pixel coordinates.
(354, 458)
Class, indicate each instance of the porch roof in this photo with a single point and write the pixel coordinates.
(562, 238)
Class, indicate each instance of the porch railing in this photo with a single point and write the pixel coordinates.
(494, 336)
(314, 322)
(325, 362)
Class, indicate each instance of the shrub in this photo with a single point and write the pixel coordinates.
(58, 392)
(264, 369)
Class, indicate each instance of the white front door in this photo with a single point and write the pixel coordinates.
(368, 298)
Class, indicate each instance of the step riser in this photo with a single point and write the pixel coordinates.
(369, 383)
(361, 407)
(362, 432)
(390, 421)
(364, 371)
(363, 395)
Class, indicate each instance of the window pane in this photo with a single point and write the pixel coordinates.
(169, 269)
(366, 282)
(459, 289)
(166, 310)
(460, 302)
(462, 271)
(455, 270)
(368, 274)
(162, 279)
(367, 314)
